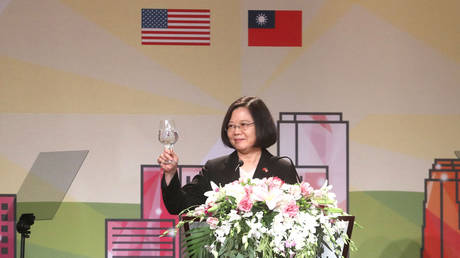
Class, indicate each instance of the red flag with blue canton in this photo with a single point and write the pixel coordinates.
(274, 28)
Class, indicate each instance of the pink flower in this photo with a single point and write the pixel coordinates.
(245, 204)
(248, 190)
(306, 189)
(208, 206)
(290, 243)
(199, 211)
(274, 182)
(212, 222)
(291, 209)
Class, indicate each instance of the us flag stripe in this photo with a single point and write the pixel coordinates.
(197, 32)
(176, 43)
(177, 36)
(187, 16)
(188, 19)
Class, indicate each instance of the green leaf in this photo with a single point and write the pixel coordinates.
(196, 239)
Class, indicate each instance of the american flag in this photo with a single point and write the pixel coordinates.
(176, 27)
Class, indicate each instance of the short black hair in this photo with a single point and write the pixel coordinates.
(266, 134)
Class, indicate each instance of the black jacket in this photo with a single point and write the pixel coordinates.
(221, 171)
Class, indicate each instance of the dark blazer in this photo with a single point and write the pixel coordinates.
(221, 171)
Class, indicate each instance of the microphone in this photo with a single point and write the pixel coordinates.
(292, 167)
(240, 163)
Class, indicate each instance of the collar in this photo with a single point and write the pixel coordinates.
(262, 169)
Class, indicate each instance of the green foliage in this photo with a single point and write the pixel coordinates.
(194, 241)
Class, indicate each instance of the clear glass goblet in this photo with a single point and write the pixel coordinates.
(167, 134)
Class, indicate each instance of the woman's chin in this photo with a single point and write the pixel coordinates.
(245, 149)
(240, 148)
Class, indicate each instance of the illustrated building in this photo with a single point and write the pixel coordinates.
(318, 145)
(7, 225)
(441, 213)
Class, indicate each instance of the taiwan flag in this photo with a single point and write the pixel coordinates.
(275, 28)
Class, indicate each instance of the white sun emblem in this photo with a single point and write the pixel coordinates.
(261, 19)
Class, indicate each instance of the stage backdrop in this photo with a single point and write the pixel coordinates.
(93, 75)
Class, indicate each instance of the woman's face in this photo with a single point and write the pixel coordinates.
(241, 130)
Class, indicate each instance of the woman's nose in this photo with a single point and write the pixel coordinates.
(237, 130)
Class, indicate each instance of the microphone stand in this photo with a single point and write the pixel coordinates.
(23, 227)
(293, 170)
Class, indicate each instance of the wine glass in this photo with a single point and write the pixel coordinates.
(167, 134)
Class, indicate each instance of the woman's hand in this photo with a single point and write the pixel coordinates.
(168, 161)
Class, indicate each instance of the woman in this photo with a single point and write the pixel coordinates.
(248, 128)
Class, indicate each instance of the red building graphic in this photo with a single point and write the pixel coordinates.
(140, 238)
(7, 226)
(441, 213)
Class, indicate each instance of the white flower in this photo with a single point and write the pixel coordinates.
(235, 190)
(222, 231)
(214, 194)
(273, 198)
(294, 191)
(259, 215)
(259, 192)
(212, 222)
(233, 215)
(247, 214)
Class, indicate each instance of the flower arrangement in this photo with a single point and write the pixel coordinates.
(265, 218)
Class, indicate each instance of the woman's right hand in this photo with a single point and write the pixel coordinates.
(168, 161)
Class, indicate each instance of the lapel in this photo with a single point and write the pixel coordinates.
(229, 174)
(263, 167)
